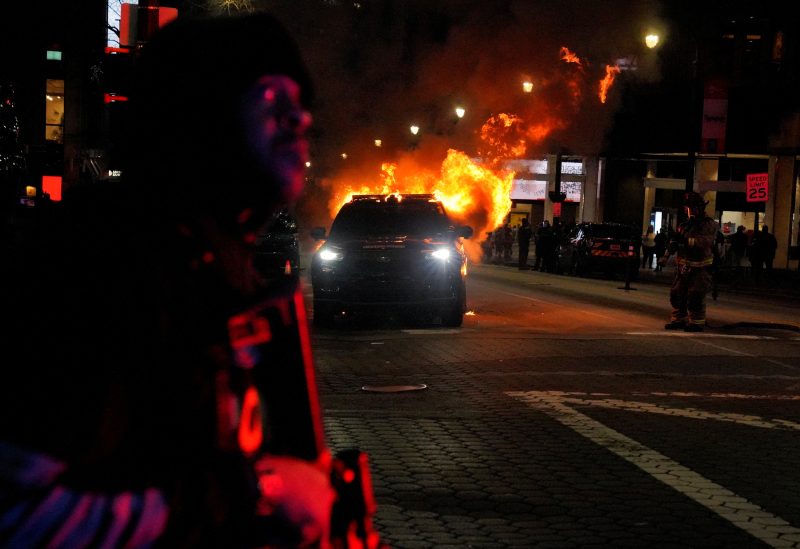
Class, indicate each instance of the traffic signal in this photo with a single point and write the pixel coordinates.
(117, 69)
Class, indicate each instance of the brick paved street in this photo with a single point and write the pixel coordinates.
(569, 439)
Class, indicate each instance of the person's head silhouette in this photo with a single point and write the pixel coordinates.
(218, 118)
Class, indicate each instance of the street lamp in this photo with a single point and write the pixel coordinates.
(527, 86)
(460, 112)
(653, 40)
(414, 129)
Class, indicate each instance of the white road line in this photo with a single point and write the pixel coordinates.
(699, 335)
(763, 525)
(690, 413)
(721, 395)
(770, 360)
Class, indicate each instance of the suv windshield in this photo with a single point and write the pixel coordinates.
(613, 231)
(381, 219)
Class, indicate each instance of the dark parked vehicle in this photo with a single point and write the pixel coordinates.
(384, 253)
(610, 248)
(277, 248)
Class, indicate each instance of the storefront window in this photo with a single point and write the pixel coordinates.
(54, 111)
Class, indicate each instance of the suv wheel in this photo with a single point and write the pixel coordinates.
(455, 316)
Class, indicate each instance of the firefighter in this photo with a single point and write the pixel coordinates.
(693, 244)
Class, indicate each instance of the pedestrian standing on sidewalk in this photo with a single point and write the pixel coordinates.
(542, 233)
(738, 247)
(738, 252)
(764, 246)
(648, 248)
(754, 254)
(693, 244)
(547, 247)
(661, 242)
(508, 242)
(497, 244)
(524, 241)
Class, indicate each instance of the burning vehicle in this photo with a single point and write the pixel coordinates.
(391, 252)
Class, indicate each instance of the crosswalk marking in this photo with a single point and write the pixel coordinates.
(742, 513)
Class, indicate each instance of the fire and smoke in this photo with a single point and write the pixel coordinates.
(473, 194)
(607, 81)
(394, 77)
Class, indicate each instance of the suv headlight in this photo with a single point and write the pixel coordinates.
(329, 254)
(442, 254)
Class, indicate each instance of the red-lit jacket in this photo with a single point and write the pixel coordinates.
(695, 240)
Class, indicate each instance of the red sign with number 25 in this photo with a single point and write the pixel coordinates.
(757, 187)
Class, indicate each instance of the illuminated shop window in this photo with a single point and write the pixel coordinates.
(54, 111)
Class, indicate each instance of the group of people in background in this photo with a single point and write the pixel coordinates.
(498, 245)
(748, 252)
(754, 248)
(741, 250)
(654, 244)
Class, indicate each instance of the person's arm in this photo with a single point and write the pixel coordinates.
(41, 510)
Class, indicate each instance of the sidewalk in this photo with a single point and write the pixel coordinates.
(784, 283)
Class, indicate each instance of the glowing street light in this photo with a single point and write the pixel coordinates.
(460, 112)
(527, 86)
(414, 129)
(651, 40)
(378, 143)
(308, 164)
(344, 156)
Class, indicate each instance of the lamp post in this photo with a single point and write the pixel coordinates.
(414, 129)
(653, 40)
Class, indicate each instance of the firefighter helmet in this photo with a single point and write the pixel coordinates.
(694, 200)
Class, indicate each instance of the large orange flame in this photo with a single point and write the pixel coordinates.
(607, 81)
(472, 193)
(478, 193)
(503, 136)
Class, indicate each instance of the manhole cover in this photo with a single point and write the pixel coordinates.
(393, 388)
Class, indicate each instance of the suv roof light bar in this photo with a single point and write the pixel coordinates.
(418, 196)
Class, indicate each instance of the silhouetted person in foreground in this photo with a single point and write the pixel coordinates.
(118, 407)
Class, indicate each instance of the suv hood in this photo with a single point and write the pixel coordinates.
(385, 243)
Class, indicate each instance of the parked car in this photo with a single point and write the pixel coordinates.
(389, 253)
(608, 248)
(277, 247)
